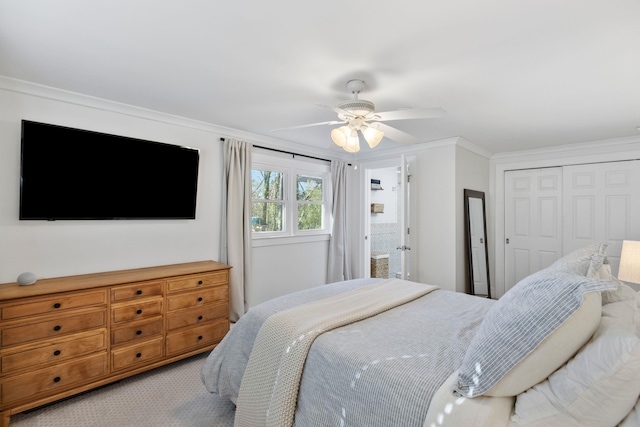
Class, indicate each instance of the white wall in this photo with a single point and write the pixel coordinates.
(282, 269)
(435, 194)
(58, 248)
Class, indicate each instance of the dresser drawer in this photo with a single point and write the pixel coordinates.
(199, 336)
(130, 356)
(50, 352)
(137, 331)
(138, 290)
(198, 281)
(53, 379)
(197, 298)
(136, 311)
(49, 328)
(196, 315)
(58, 303)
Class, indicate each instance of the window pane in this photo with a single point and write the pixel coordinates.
(309, 217)
(309, 188)
(267, 185)
(266, 216)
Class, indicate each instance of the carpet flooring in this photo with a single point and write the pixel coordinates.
(171, 396)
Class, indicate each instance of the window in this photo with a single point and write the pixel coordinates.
(289, 197)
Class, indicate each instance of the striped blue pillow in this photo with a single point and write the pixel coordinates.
(518, 322)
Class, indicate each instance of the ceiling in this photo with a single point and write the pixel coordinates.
(511, 74)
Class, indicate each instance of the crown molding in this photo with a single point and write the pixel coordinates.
(75, 98)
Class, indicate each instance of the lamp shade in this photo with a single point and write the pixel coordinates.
(373, 136)
(339, 135)
(630, 262)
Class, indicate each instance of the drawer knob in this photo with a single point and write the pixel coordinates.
(57, 379)
(57, 328)
(199, 337)
(139, 355)
(199, 282)
(138, 332)
(138, 292)
(57, 305)
(139, 312)
(199, 299)
(199, 317)
(57, 353)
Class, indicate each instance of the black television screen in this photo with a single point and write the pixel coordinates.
(69, 174)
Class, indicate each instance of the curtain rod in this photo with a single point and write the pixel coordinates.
(289, 152)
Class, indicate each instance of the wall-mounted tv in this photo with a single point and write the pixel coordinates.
(74, 174)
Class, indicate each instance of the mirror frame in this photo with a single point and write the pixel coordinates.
(472, 194)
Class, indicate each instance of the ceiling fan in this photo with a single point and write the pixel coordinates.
(360, 115)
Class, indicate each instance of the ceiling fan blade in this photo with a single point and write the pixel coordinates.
(411, 113)
(397, 135)
(336, 110)
(331, 122)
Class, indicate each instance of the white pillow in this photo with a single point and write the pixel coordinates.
(598, 387)
(584, 261)
(633, 418)
(620, 293)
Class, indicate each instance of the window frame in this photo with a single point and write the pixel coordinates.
(292, 168)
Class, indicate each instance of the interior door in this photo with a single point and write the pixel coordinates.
(601, 202)
(533, 221)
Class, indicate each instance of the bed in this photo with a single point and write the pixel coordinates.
(562, 347)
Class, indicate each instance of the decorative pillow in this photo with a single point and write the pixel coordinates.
(530, 332)
(582, 261)
(622, 291)
(598, 387)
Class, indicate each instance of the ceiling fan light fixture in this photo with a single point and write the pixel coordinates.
(339, 135)
(373, 136)
(352, 145)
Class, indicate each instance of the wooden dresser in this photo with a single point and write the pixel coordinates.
(66, 335)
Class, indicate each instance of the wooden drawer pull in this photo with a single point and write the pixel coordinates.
(199, 299)
(199, 317)
(199, 282)
(139, 292)
(57, 379)
(57, 328)
(199, 337)
(139, 355)
(138, 332)
(57, 305)
(139, 312)
(57, 353)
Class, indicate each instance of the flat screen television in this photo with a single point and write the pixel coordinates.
(74, 174)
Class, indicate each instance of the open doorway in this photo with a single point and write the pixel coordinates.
(387, 219)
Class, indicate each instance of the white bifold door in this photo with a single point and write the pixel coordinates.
(550, 212)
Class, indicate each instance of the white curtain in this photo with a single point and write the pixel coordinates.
(236, 221)
(339, 263)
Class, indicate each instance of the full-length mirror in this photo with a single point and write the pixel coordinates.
(477, 249)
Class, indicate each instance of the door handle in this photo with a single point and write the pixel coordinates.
(404, 248)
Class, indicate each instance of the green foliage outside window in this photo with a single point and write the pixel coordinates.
(268, 210)
(310, 197)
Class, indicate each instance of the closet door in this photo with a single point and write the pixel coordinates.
(533, 221)
(601, 202)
